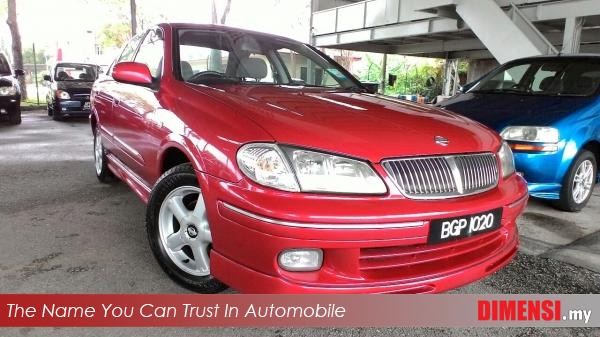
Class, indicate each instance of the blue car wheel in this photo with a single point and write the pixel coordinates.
(579, 183)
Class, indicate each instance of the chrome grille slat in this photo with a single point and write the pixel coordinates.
(444, 176)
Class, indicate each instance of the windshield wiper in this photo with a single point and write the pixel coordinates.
(501, 91)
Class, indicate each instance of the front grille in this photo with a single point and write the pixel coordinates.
(444, 176)
(411, 262)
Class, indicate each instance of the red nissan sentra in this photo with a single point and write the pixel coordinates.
(267, 167)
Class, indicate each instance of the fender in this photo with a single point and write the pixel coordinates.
(183, 144)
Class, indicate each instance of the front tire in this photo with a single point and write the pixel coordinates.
(179, 232)
(14, 115)
(57, 116)
(103, 173)
(579, 183)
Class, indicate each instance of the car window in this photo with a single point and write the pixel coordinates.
(544, 78)
(75, 72)
(129, 50)
(151, 53)
(4, 66)
(213, 57)
(550, 77)
(506, 79)
(308, 71)
(199, 59)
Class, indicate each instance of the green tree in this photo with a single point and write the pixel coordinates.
(114, 35)
(28, 56)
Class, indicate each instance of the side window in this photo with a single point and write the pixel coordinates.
(198, 58)
(151, 53)
(129, 50)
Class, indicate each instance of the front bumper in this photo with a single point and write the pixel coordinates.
(544, 171)
(370, 244)
(9, 102)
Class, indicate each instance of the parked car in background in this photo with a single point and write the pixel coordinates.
(69, 89)
(10, 91)
(548, 109)
(266, 166)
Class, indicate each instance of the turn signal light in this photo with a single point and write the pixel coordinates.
(534, 148)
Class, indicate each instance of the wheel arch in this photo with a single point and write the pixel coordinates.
(177, 150)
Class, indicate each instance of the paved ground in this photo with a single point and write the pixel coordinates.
(62, 232)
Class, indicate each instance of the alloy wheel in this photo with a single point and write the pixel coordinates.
(184, 230)
(583, 181)
(98, 152)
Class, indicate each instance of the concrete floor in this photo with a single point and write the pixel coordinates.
(63, 232)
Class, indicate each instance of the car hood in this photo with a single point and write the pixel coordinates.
(366, 126)
(500, 110)
(74, 85)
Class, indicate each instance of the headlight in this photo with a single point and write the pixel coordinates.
(322, 172)
(265, 164)
(274, 166)
(62, 94)
(534, 134)
(8, 91)
(507, 161)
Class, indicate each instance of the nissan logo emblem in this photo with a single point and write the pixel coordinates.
(441, 140)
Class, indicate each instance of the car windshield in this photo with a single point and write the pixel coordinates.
(547, 77)
(76, 72)
(212, 57)
(4, 66)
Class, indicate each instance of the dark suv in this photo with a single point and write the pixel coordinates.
(10, 91)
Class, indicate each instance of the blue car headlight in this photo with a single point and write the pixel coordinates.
(531, 134)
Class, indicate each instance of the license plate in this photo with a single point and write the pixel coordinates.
(86, 106)
(443, 230)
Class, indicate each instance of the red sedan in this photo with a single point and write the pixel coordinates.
(267, 167)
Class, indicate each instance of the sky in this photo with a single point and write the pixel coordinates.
(73, 24)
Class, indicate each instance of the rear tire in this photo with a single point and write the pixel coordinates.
(49, 108)
(14, 115)
(103, 173)
(179, 232)
(578, 183)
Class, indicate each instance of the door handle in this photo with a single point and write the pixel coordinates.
(116, 102)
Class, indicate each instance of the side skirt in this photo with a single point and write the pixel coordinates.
(137, 184)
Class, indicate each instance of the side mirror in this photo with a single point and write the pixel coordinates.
(372, 87)
(47, 78)
(392, 79)
(132, 73)
(19, 72)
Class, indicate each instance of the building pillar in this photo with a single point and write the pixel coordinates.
(383, 82)
(572, 35)
(478, 68)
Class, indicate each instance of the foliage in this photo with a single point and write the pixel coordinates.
(28, 56)
(412, 78)
(114, 35)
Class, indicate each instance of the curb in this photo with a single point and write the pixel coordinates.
(32, 107)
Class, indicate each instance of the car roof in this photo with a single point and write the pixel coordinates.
(68, 62)
(560, 57)
(180, 25)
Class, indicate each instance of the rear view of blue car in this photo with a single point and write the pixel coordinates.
(548, 109)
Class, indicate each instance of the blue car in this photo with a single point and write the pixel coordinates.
(548, 110)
